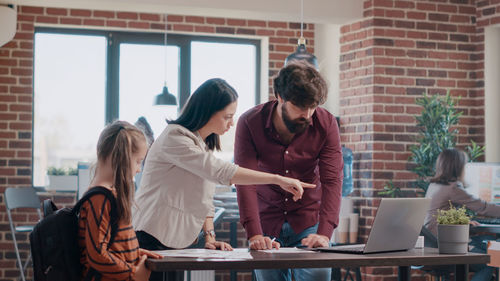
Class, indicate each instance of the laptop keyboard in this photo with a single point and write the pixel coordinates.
(487, 220)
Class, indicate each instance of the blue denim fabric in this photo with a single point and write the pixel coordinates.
(288, 238)
(482, 271)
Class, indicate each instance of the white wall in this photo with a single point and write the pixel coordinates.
(327, 51)
(492, 93)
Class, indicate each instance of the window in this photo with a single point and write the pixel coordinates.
(84, 79)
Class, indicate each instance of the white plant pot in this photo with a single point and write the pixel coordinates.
(62, 183)
(453, 239)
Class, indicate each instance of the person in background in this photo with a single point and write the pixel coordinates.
(120, 150)
(175, 199)
(143, 124)
(294, 137)
(447, 186)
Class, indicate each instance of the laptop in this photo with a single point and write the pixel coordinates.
(396, 227)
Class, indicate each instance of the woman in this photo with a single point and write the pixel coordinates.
(447, 186)
(120, 151)
(174, 201)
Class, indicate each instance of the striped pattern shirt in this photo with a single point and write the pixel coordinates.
(94, 231)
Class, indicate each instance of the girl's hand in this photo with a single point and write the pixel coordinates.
(149, 254)
(294, 186)
(213, 245)
(142, 273)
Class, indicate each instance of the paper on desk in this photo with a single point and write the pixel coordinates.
(287, 250)
(239, 253)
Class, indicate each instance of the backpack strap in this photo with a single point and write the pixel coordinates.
(114, 209)
(48, 207)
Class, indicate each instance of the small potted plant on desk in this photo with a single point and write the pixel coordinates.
(453, 230)
(61, 179)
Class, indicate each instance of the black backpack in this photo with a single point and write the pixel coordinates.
(54, 240)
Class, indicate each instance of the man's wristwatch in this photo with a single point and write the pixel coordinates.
(210, 233)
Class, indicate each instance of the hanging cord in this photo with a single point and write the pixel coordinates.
(165, 43)
(301, 17)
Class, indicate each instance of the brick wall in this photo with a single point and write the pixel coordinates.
(397, 52)
(16, 80)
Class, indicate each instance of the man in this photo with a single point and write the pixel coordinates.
(291, 136)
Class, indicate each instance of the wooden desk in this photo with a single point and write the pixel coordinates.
(403, 260)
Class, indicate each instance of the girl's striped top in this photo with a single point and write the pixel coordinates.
(94, 230)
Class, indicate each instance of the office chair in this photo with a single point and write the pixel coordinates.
(21, 197)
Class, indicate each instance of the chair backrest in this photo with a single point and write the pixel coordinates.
(21, 197)
(429, 239)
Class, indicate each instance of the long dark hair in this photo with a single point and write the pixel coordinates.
(212, 96)
(449, 166)
(118, 141)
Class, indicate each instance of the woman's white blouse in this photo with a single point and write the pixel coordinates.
(177, 187)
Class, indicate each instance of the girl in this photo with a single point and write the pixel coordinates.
(175, 200)
(120, 150)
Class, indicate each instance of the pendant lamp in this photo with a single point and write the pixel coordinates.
(165, 97)
(301, 54)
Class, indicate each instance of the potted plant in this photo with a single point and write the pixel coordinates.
(437, 131)
(62, 179)
(453, 230)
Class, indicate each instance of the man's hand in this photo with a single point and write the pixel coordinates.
(315, 240)
(259, 242)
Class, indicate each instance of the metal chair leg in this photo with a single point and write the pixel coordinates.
(13, 231)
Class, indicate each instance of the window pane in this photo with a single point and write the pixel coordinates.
(142, 76)
(235, 63)
(69, 100)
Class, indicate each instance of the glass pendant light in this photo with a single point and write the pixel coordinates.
(301, 53)
(165, 97)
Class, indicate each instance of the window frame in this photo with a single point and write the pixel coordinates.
(183, 41)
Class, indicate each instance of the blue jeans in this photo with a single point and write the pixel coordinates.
(288, 238)
(482, 271)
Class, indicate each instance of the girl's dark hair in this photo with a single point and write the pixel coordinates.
(212, 96)
(449, 166)
(118, 141)
(301, 84)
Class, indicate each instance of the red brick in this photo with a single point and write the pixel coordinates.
(174, 18)
(80, 13)
(259, 23)
(73, 21)
(216, 21)
(460, 19)
(204, 29)
(138, 24)
(104, 14)
(236, 22)
(46, 19)
(426, 7)
(416, 15)
(149, 17)
(32, 10)
(57, 11)
(277, 24)
(183, 27)
(116, 23)
(94, 22)
(193, 19)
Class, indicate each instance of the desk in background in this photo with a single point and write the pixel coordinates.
(403, 260)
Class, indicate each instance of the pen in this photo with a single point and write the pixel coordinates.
(272, 240)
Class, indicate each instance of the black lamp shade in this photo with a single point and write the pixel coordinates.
(302, 55)
(165, 98)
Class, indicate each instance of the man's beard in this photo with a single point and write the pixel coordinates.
(295, 126)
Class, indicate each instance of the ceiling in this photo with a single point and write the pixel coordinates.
(315, 11)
